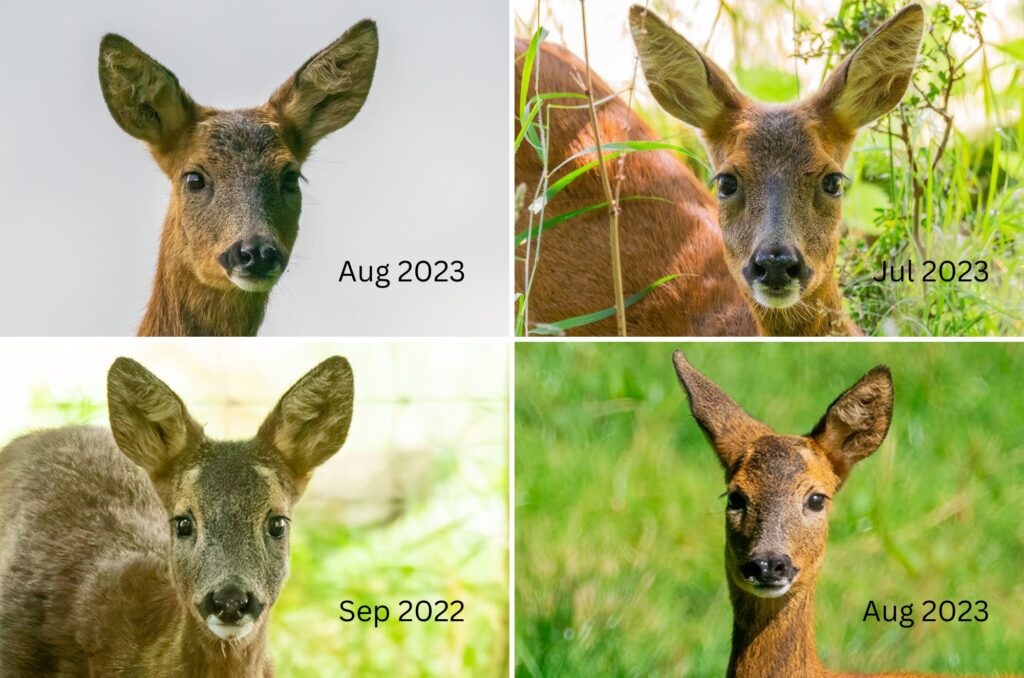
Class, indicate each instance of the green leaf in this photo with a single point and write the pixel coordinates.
(533, 108)
(523, 236)
(561, 326)
(528, 60)
(1015, 48)
(554, 189)
(620, 147)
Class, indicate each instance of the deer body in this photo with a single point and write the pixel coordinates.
(108, 594)
(778, 177)
(678, 235)
(780, 490)
(151, 550)
(235, 201)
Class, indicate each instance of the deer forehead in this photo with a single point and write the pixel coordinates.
(782, 466)
(228, 484)
(243, 140)
(785, 141)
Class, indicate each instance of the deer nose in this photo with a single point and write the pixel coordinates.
(257, 257)
(769, 569)
(230, 603)
(776, 266)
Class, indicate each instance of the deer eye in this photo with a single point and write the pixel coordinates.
(833, 184)
(194, 181)
(727, 185)
(736, 501)
(816, 502)
(290, 180)
(183, 527)
(277, 526)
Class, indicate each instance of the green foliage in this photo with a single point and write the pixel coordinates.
(444, 547)
(619, 523)
(950, 194)
(768, 84)
(532, 117)
(51, 410)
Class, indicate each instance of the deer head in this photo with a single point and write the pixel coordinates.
(780, 487)
(235, 204)
(779, 168)
(229, 503)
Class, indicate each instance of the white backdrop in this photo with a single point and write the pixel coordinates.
(421, 173)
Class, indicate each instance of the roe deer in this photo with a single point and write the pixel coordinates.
(156, 551)
(778, 171)
(780, 488)
(235, 199)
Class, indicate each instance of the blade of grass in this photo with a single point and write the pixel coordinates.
(561, 326)
(548, 224)
(528, 60)
(533, 108)
(557, 187)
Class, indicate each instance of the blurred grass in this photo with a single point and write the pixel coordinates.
(619, 524)
(444, 548)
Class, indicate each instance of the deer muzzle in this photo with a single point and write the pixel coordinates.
(254, 264)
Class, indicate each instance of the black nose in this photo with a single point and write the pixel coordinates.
(776, 266)
(257, 257)
(769, 569)
(230, 603)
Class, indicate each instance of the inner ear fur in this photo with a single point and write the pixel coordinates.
(149, 421)
(872, 80)
(311, 421)
(728, 428)
(684, 80)
(327, 91)
(856, 422)
(143, 96)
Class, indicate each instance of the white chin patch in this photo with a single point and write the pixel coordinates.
(774, 299)
(253, 284)
(229, 631)
(770, 591)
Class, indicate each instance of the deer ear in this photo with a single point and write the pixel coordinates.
(727, 427)
(684, 81)
(310, 422)
(144, 98)
(857, 422)
(874, 77)
(329, 89)
(149, 422)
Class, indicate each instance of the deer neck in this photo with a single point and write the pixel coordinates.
(205, 657)
(773, 636)
(181, 305)
(819, 313)
(148, 629)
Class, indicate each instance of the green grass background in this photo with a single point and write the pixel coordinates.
(619, 524)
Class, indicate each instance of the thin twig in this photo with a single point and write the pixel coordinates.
(613, 205)
(620, 172)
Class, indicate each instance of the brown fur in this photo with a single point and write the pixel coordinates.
(250, 160)
(94, 580)
(657, 238)
(774, 636)
(779, 155)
